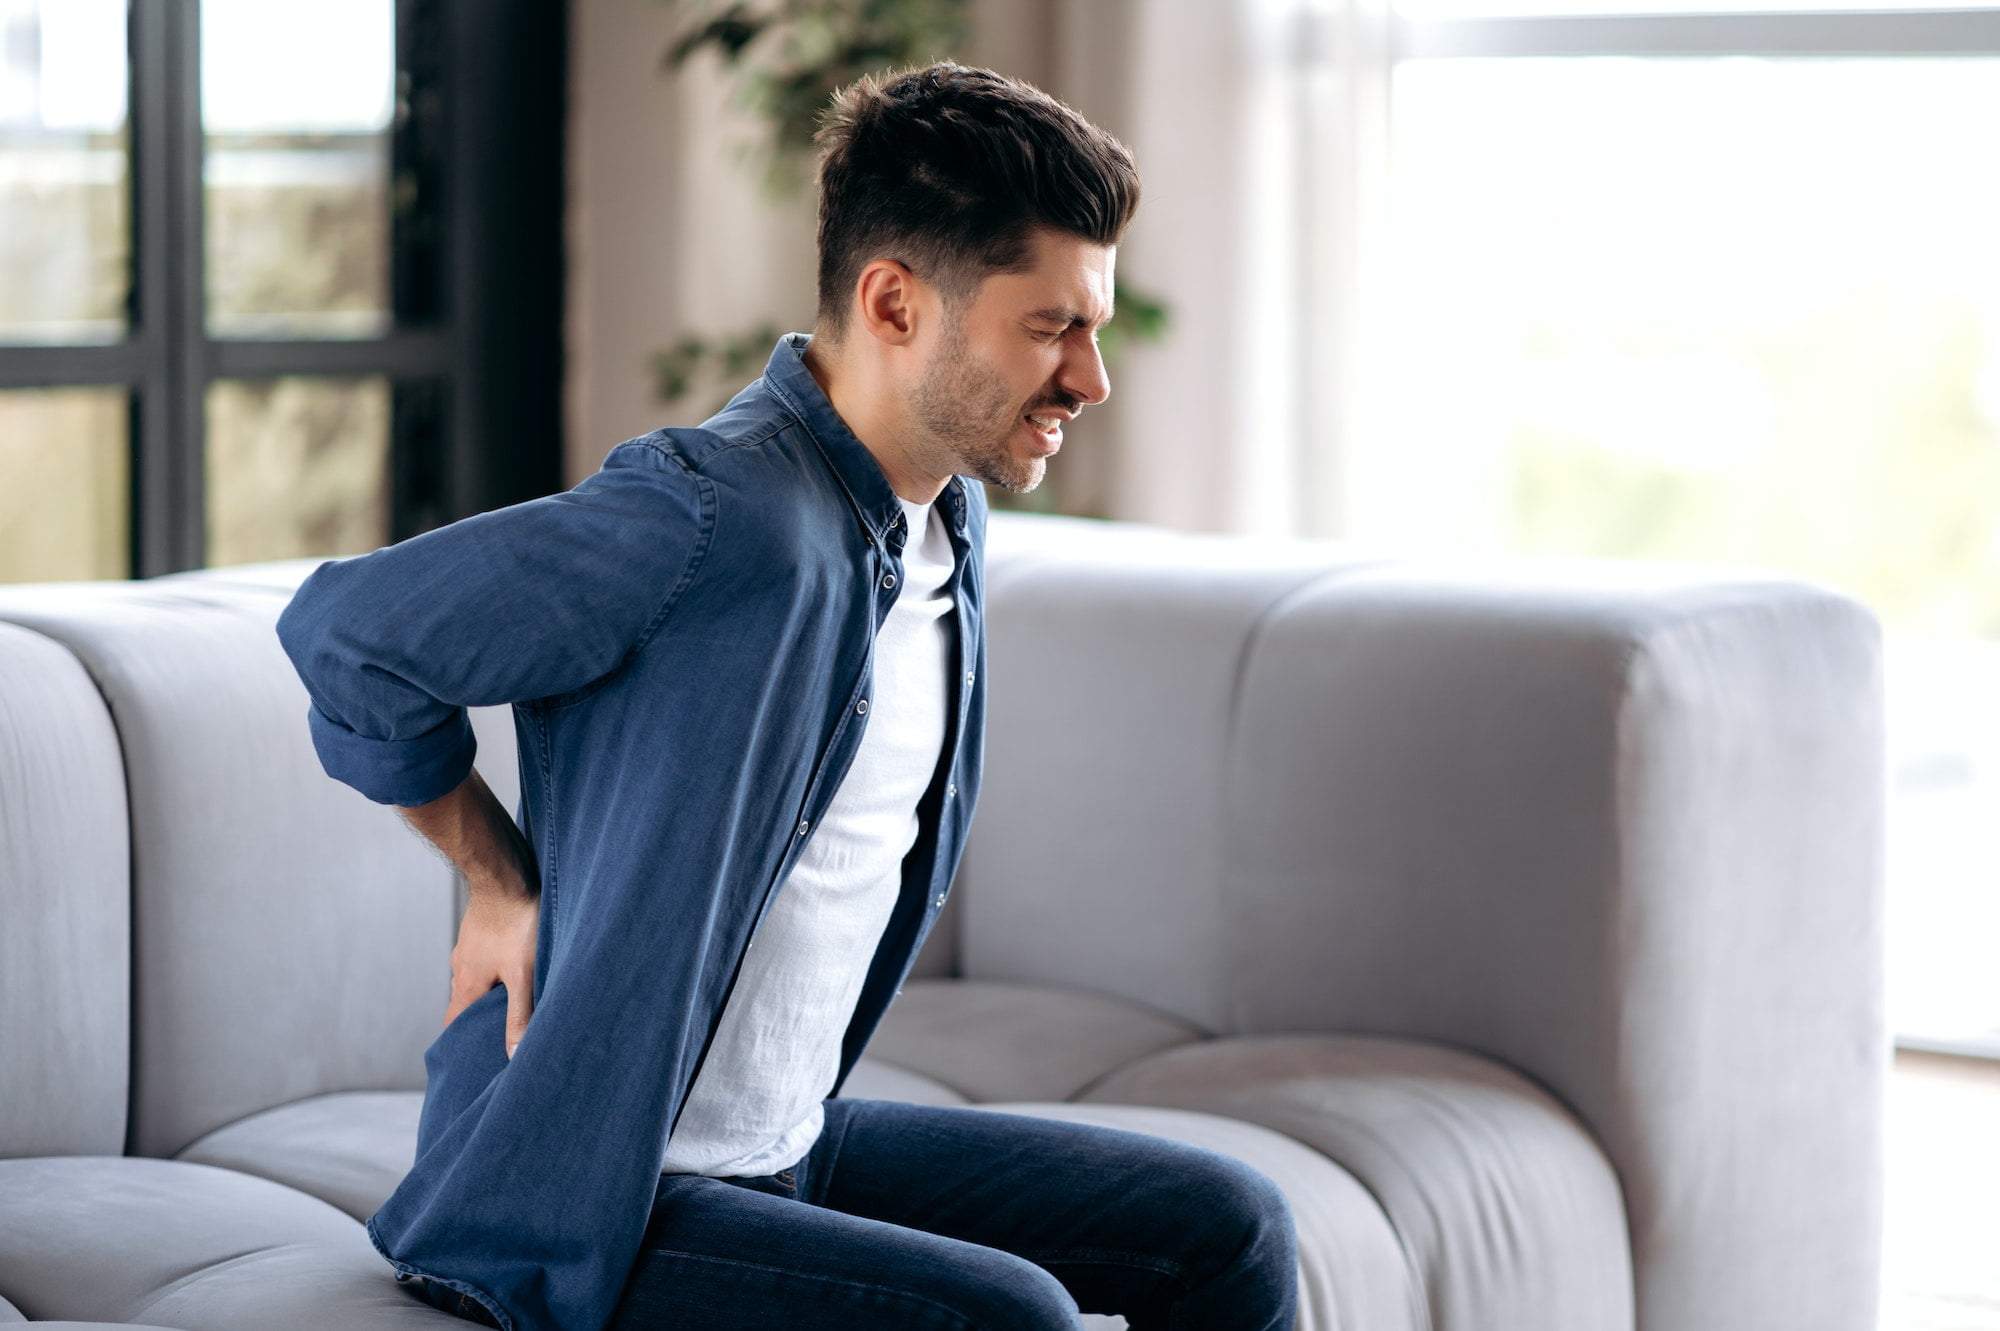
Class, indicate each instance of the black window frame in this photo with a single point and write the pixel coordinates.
(473, 354)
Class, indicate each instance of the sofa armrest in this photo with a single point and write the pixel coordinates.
(1619, 828)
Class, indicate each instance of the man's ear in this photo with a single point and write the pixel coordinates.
(886, 297)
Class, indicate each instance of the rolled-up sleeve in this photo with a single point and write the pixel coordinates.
(527, 602)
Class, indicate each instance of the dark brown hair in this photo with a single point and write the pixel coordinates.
(949, 171)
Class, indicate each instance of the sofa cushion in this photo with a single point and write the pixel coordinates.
(65, 913)
(990, 1040)
(350, 1148)
(1510, 1214)
(114, 1239)
(12, 1316)
(873, 1079)
(1352, 1271)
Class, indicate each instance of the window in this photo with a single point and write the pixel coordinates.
(275, 280)
(1721, 286)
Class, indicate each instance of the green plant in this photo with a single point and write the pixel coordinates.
(677, 368)
(790, 56)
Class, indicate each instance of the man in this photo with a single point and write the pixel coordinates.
(746, 666)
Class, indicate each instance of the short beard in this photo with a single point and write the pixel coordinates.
(960, 403)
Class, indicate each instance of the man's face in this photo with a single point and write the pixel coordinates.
(1010, 365)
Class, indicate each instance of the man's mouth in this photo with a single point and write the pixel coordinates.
(1047, 423)
(1047, 430)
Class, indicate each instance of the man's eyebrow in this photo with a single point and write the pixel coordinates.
(1063, 314)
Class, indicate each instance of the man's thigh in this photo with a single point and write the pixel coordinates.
(717, 1255)
(1159, 1231)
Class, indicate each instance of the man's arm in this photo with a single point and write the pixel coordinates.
(522, 603)
(496, 939)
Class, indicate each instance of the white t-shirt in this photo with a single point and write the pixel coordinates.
(755, 1106)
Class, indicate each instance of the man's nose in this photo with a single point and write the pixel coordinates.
(1083, 375)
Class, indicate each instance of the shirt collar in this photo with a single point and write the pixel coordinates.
(788, 378)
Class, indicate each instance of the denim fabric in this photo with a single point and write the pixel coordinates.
(686, 638)
(955, 1219)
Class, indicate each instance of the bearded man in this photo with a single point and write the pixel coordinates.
(746, 668)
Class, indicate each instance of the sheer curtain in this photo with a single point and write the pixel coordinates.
(1259, 127)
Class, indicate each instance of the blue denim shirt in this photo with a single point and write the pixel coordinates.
(687, 640)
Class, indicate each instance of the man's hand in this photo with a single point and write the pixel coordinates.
(496, 945)
(496, 939)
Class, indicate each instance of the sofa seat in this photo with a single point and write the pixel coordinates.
(1432, 1187)
(12, 1316)
(140, 1241)
(350, 1148)
(876, 1080)
(991, 1040)
(1507, 1212)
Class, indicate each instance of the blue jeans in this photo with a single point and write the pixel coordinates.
(905, 1216)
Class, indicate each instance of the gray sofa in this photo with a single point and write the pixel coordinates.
(1523, 922)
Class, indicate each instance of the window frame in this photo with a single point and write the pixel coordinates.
(1772, 34)
(474, 352)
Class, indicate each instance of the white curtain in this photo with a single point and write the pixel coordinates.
(1259, 128)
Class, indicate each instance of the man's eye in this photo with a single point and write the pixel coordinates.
(1048, 334)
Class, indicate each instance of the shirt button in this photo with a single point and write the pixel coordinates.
(951, 789)
(862, 707)
(803, 825)
(889, 580)
(968, 679)
(940, 901)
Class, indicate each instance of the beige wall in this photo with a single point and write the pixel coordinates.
(667, 232)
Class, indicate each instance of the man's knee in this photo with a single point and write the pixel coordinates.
(1002, 1292)
(1251, 1218)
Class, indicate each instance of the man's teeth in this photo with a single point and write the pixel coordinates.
(1044, 422)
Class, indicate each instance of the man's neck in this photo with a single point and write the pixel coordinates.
(875, 417)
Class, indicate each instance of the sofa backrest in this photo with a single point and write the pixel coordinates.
(65, 937)
(1115, 654)
(289, 937)
(1504, 805)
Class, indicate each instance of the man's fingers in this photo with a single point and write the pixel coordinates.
(518, 1005)
(461, 999)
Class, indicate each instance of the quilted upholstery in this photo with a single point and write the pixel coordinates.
(121, 1239)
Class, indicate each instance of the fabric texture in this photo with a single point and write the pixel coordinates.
(1032, 1042)
(351, 1148)
(65, 938)
(1119, 770)
(874, 1079)
(119, 1239)
(686, 639)
(1507, 1213)
(755, 1107)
